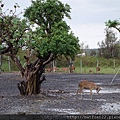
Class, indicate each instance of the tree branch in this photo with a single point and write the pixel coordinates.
(6, 50)
(17, 62)
(48, 60)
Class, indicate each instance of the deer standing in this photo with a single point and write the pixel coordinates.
(85, 84)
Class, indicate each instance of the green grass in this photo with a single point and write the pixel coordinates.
(4, 67)
(85, 70)
(107, 66)
(103, 70)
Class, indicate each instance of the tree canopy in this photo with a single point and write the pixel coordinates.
(13, 34)
(115, 24)
(52, 34)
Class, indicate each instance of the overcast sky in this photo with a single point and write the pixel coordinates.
(88, 17)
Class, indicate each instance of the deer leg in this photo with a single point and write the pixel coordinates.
(77, 91)
(81, 92)
(91, 93)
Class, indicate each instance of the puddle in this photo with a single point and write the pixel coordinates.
(72, 93)
(103, 91)
(111, 108)
(68, 111)
(98, 83)
(110, 90)
(100, 99)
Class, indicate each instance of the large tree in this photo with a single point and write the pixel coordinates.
(116, 25)
(109, 48)
(44, 33)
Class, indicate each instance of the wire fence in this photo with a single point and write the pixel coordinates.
(80, 66)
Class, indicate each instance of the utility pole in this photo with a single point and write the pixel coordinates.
(0, 63)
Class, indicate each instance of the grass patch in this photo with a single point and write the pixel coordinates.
(103, 70)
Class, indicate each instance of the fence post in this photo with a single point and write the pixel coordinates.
(9, 65)
(114, 65)
(53, 66)
(0, 63)
(80, 66)
(97, 62)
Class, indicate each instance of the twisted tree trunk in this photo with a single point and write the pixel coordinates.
(33, 74)
(33, 77)
(32, 85)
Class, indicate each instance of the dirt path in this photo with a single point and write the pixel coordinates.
(59, 96)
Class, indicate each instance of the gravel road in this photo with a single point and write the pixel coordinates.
(59, 95)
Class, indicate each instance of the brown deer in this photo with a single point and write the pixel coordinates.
(85, 84)
(90, 71)
(97, 69)
(72, 68)
(65, 69)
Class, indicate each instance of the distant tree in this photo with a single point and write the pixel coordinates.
(113, 24)
(84, 48)
(110, 47)
(43, 33)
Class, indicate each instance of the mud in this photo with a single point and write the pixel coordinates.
(58, 95)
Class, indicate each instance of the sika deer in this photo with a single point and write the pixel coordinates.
(87, 85)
